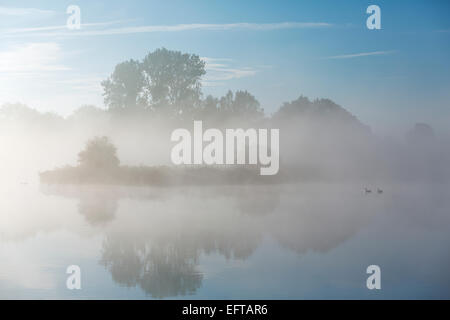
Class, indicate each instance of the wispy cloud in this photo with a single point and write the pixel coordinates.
(32, 30)
(361, 54)
(31, 58)
(176, 28)
(38, 74)
(208, 27)
(43, 61)
(8, 11)
(220, 69)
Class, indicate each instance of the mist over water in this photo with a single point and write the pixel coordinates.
(311, 240)
(310, 236)
(98, 189)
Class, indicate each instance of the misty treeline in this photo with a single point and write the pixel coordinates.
(146, 100)
(168, 83)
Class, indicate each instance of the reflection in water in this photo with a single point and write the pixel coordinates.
(163, 233)
(167, 267)
(257, 201)
(161, 270)
(98, 209)
(320, 220)
(283, 241)
(97, 205)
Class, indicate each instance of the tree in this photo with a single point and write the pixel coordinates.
(208, 109)
(321, 112)
(422, 133)
(124, 88)
(99, 153)
(173, 78)
(87, 113)
(20, 113)
(241, 104)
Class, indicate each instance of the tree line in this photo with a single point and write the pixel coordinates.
(169, 82)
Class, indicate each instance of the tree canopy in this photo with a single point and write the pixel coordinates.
(164, 78)
(124, 88)
(169, 83)
(99, 153)
(173, 78)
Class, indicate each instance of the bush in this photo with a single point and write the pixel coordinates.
(99, 153)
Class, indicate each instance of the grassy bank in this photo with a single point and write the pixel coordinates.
(158, 176)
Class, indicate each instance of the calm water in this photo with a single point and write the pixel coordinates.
(294, 242)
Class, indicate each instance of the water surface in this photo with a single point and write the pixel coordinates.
(252, 242)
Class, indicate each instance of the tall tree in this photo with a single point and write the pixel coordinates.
(123, 90)
(173, 78)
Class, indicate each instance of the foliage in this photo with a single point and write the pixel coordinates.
(172, 78)
(99, 153)
(164, 78)
(123, 89)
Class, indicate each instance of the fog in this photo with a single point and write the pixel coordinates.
(312, 147)
(344, 196)
(146, 100)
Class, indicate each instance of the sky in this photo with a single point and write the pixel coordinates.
(278, 50)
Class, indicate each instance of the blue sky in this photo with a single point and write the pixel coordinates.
(278, 50)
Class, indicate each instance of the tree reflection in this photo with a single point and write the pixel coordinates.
(97, 209)
(161, 269)
(98, 205)
(157, 246)
(257, 200)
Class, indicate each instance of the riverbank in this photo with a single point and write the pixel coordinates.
(158, 175)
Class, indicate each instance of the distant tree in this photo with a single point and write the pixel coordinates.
(99, 153)
(87, 112)
(21, 113)
(208, 109)
(241, 104)
(210, 104)
(422, 133)
(18, 111)
(319, 111)
(123, 90)
(173, 78)
(319, 107)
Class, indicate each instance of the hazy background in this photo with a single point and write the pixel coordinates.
(357, 109)
(390, 78)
